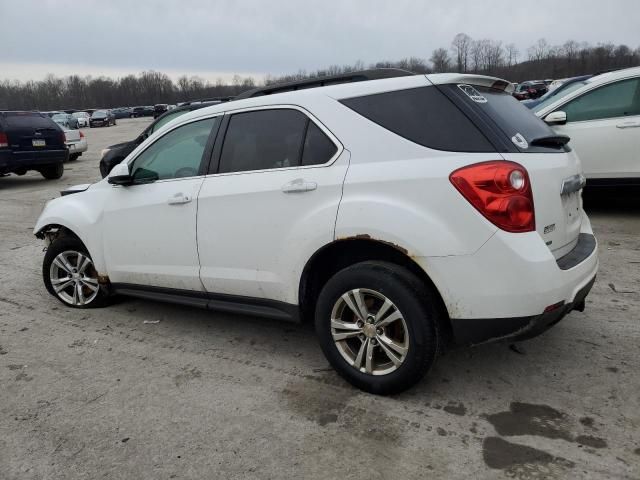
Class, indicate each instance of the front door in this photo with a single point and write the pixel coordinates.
(150, 227)
(604, 126)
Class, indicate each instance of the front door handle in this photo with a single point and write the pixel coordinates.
(299, 185)
(179, 199)
(628, 125)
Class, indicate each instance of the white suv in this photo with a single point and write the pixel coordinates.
(401, 215)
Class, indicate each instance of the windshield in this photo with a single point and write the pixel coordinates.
(99, 113)
(59, 117)
(79, 114)
(555, 95)
(164, 120)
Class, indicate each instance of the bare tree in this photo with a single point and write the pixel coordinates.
(440, 60)
(461, 47)
(512, 53)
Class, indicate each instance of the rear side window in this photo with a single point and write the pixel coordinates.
(268, 139)
(27, 119)
(424, 116)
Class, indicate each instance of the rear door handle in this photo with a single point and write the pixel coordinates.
(299, 185)
(628, 125)
(179, 199)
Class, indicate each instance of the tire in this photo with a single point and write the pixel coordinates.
(73, 157)
(80, 291)
(52, 172)
(414, 330)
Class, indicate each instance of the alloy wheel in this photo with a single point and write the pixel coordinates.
(74, 278)
(369, 331)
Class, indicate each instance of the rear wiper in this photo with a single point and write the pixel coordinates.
(550, 141)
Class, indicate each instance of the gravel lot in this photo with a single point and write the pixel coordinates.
(101, 394)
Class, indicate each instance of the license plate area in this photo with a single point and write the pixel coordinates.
(38, 142)
(571, 204)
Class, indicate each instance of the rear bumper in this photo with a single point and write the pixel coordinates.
(476, 331)
(77, 147)
(11, 161)
(511, 282)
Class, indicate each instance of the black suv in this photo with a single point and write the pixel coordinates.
(31, 141)
(113, 155)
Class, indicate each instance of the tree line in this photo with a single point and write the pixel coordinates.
(466, 55)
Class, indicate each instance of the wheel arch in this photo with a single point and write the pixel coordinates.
(342, 253)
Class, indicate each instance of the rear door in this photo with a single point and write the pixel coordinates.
(604, 126)
(273, 194)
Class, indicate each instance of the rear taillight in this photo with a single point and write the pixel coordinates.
(499, 190)
(81, 134)
(4, 141)
(64, 137)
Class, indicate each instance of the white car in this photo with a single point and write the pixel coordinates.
(83, 118)
(601, 115)
(399, 215)
(76, 142)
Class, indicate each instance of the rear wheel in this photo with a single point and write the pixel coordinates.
(70, 276)
(73, 157)
(378, 326)
(52, 172)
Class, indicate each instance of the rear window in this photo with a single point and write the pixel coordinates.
(27, 119)
(424, 116)
(510, 117)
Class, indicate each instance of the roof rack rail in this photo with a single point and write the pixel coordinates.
(359, 76)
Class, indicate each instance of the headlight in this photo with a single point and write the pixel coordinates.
(104, 152)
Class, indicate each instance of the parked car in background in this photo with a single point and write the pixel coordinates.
(102, 118)
(531, 89)
(159, 109)
(561, 88)
(114, 154)
(31, 141)
(76, 142)
(65, 120)
(122, 112)
(82, 118)
(601, 115)
(346, 185)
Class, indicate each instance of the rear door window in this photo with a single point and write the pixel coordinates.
(318, 148)
(424, 116)
(618, 99)
(277, 138)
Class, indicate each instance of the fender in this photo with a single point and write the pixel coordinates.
(80, 213)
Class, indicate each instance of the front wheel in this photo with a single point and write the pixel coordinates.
(378, 326)
(69, 274)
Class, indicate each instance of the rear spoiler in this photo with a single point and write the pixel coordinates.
(468, 79)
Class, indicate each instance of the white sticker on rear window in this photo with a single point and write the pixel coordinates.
(520, 141)
(472, 93)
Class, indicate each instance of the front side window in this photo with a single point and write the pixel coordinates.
(267, 139)
(618, 99)
(177, 154)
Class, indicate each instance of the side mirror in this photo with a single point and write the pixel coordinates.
(120, 175)
(556, 118)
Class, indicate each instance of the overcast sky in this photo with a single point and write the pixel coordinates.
(217, 38)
